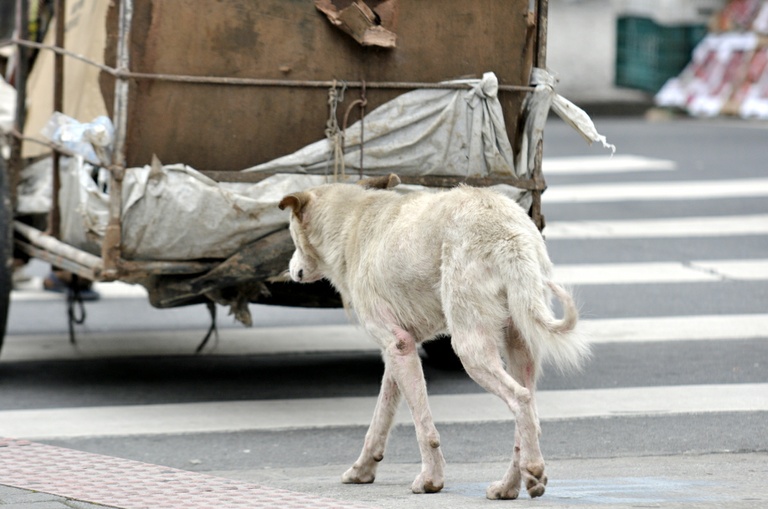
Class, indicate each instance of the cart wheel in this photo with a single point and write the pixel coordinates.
(440, 354)
(6, 249)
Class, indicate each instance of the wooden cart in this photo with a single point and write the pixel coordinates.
(225, 85)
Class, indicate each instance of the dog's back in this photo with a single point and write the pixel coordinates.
(442, 261)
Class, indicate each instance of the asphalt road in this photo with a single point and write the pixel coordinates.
(40, 372)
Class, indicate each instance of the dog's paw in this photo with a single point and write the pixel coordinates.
(501, 491)
(358, 475)
(425, 483)
(535, 479)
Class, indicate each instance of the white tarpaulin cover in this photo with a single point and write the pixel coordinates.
(7, 105)
(176, 213)
(446, 132)
(7, 112)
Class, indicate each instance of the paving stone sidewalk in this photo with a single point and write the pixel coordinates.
(18, 498)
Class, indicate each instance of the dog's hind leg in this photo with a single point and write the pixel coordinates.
(364, 469)
(479, 353)
(524, 369)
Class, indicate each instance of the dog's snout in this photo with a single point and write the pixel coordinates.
(301, 274)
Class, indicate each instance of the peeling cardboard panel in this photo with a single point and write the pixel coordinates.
(360, 21)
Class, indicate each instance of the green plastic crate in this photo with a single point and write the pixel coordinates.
(648, 54)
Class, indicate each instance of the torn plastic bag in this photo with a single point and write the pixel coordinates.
(84, 207)
(538, 105)
(7, 106)
(35, 188)
(91, 140)
(7, 114)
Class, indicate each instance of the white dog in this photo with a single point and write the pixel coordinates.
(468, 262)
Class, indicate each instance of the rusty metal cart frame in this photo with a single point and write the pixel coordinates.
(207, 275)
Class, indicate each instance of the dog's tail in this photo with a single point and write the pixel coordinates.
(548, 337)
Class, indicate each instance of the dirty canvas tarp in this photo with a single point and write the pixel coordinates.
(176, 213)
(445, 132)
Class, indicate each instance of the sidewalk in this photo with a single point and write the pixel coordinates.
(37, 476)
(13, 498)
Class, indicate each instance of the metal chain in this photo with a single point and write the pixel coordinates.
(362, 103)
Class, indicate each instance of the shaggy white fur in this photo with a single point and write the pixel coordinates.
(468, 262)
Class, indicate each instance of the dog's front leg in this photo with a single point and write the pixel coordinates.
(403, 360)
(364, 469)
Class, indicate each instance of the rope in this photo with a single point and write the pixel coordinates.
(74, 300)
(212, 330)
(333, 132)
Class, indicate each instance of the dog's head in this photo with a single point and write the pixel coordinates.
(307, 264)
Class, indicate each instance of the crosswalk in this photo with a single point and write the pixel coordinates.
(453, 408)
(704, 226)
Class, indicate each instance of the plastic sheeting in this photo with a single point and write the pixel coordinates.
(539, 104)
(7, 105)
(7, 112)
(446, 132)
(176, 213)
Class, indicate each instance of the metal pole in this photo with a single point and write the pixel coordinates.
(120, 112)
(60, 12)
(541, 63)
(541, 26)
(111, 247)
(20, 82)
(59, 248)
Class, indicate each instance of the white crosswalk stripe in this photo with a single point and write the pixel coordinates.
(662, 272)
(604, 165)
(356, 411)
(32, 290)
(351, 338)
(711, 226)
(634, 191)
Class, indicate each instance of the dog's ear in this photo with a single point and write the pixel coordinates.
(383, 182)
(297, 202)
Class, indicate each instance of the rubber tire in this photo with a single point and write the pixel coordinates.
(6, 249)
(440, 354)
